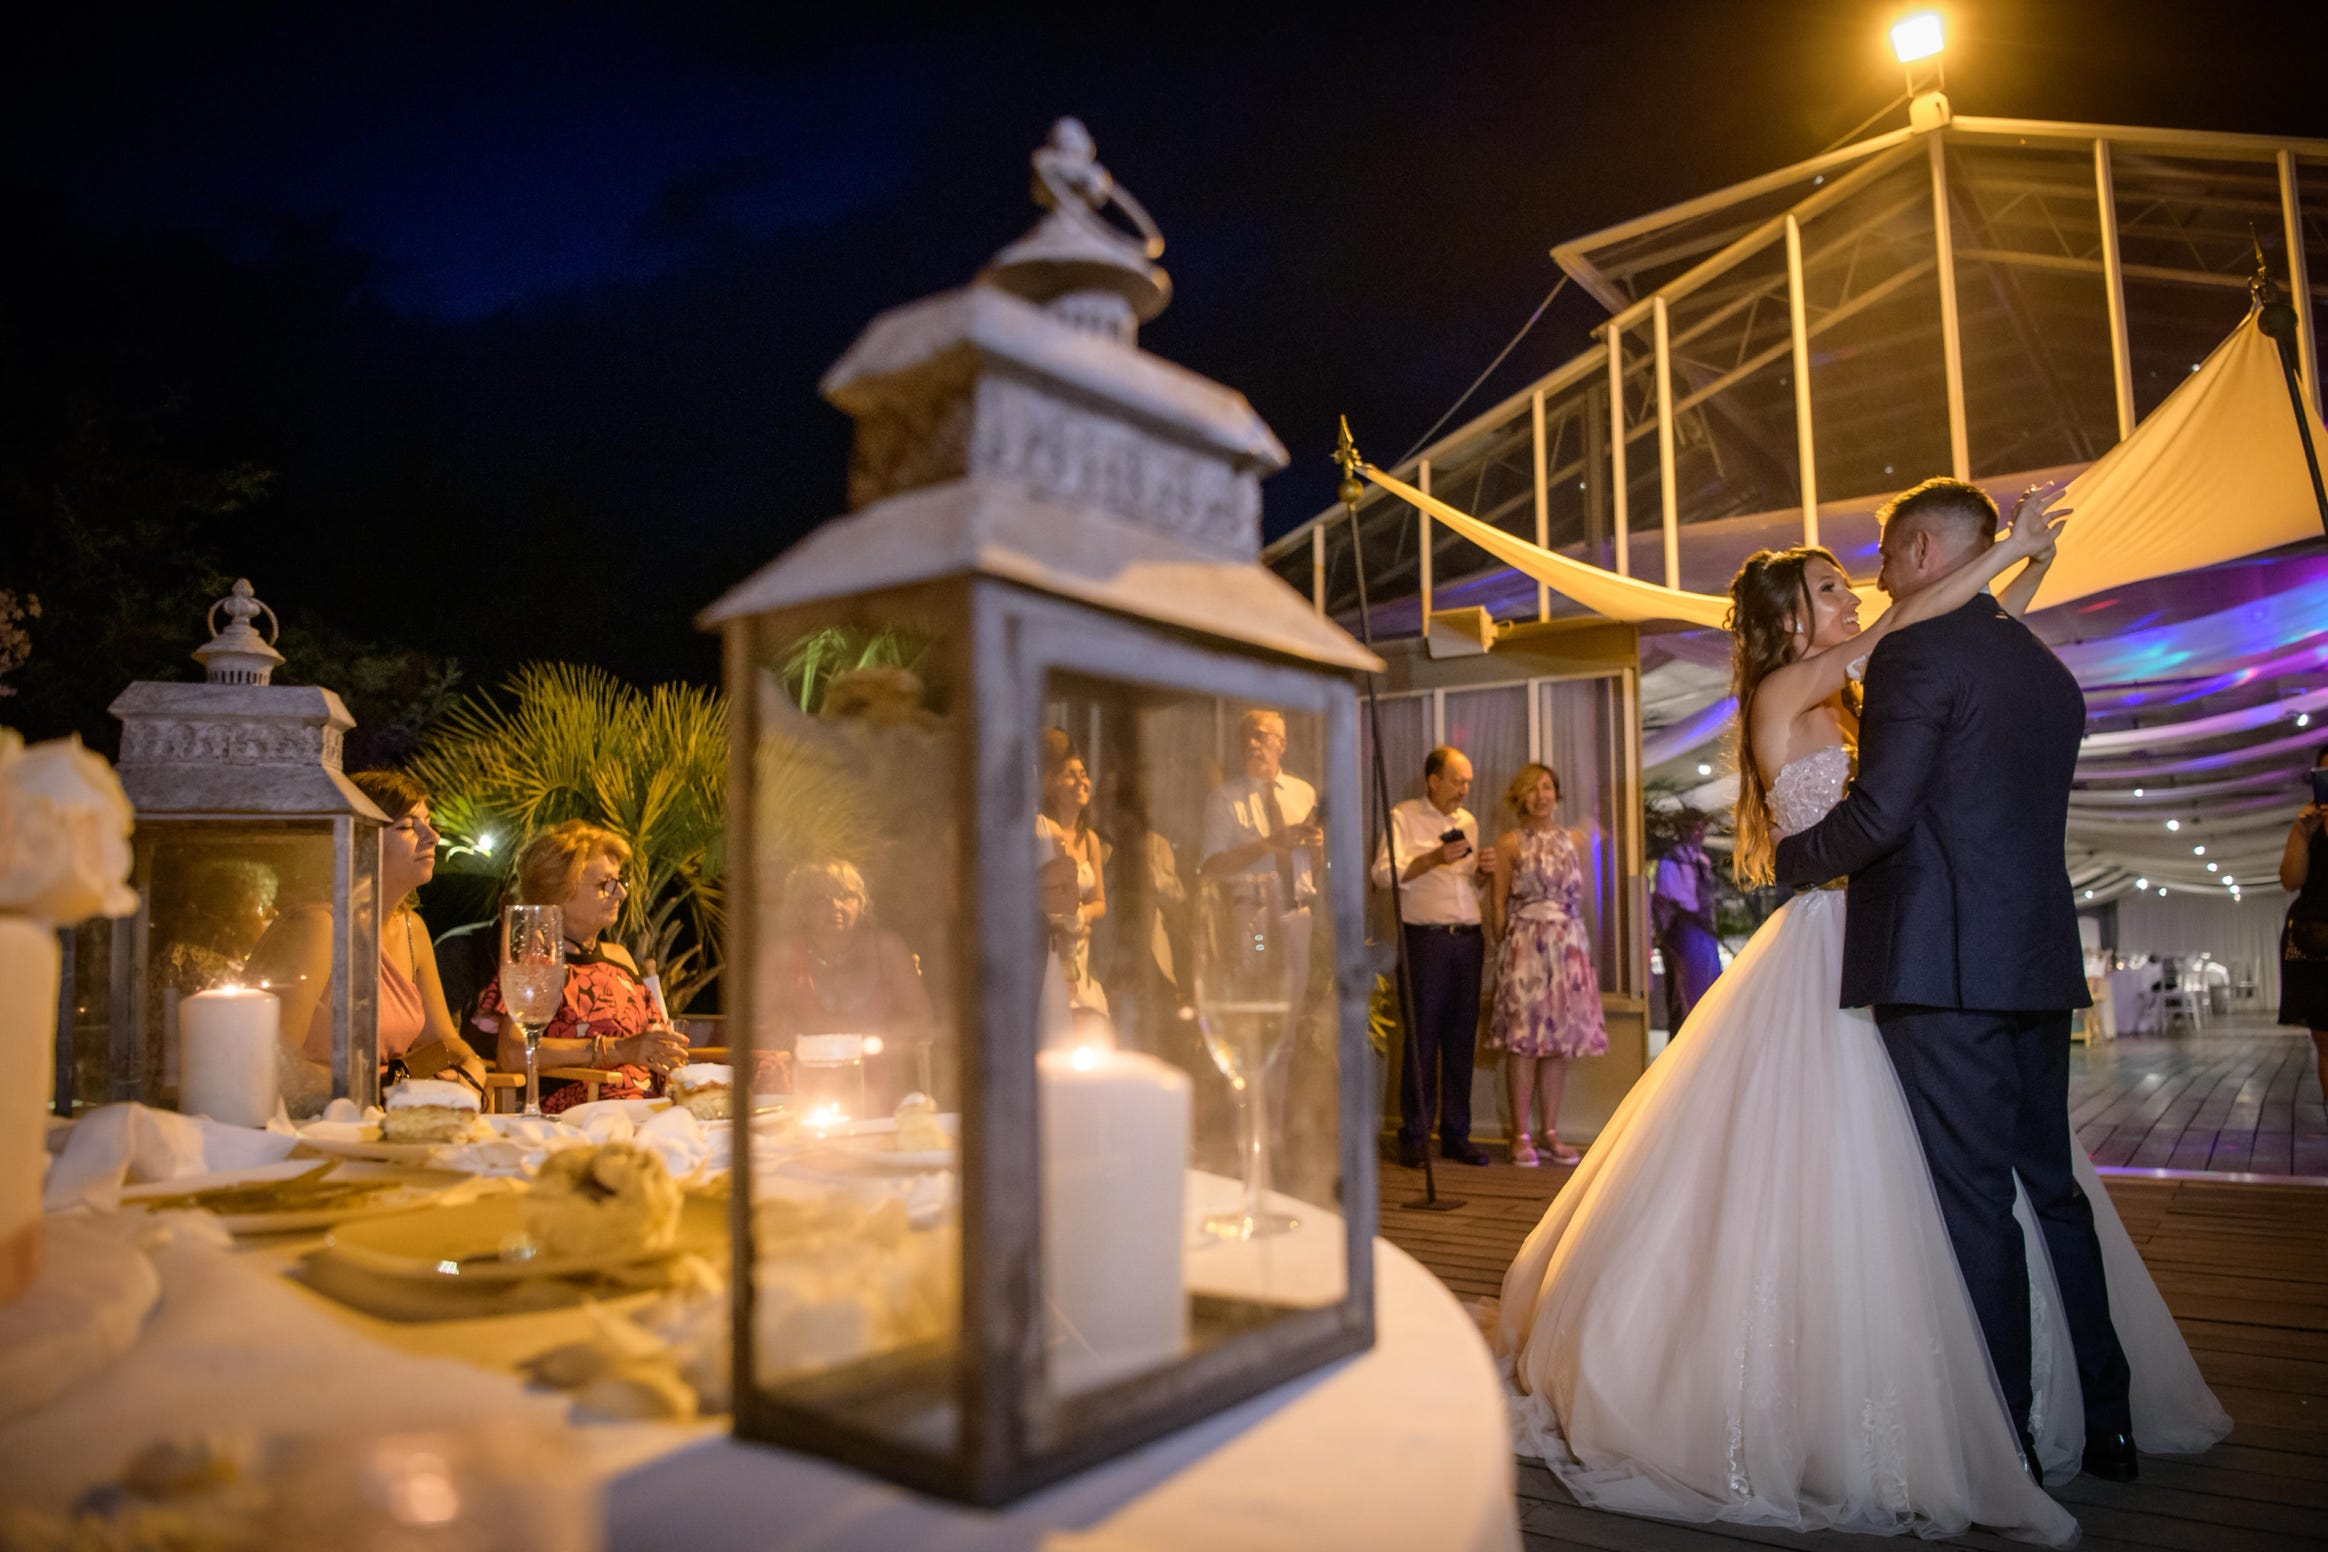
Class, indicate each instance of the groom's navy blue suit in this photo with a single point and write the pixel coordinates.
(1961, 933)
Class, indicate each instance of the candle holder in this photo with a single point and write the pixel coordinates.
(256, 863)
(1019, 703)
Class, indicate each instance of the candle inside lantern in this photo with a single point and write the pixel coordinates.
(828, 1078)
(229, 1056)
(1115, 1127)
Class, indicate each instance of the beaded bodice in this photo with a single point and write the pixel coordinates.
(1807, 788)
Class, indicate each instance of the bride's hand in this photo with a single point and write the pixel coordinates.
(2037, 522)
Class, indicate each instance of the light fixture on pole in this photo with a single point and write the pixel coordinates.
(1917, 41)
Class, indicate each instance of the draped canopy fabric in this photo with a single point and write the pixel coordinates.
(2214, 473)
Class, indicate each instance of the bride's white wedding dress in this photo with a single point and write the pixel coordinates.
(1744, 1307)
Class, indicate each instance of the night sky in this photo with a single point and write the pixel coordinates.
(525, 307)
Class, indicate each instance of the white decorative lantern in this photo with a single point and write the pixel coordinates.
(1054, 543)
(249, 838)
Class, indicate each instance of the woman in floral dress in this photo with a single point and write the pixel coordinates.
(1547, 996)
(605, 1019)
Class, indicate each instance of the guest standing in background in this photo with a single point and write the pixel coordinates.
(1264, 823)
(1432, 853)
(1681, 908)
(1065, 794)
(605, 1019)
(1547, 995)
(2304, 939)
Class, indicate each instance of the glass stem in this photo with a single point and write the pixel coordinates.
(533, 1077)
(1256, 1150)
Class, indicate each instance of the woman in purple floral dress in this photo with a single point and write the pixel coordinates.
(1547, 996)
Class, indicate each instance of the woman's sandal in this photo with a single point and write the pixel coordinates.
(1560, 1152)
(1524, 1154)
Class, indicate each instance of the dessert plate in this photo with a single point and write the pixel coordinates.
(484, 1242)
(639, 1110)
(362, 1140)
(264, 1200)
(870, 1147)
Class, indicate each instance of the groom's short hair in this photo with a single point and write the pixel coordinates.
(1958, 513)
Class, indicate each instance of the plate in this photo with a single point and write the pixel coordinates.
(639, 1110)
(465, 1242)
(869, 1147)
(362, 1140)
(413, 1189)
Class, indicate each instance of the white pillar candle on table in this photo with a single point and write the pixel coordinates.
(229, 1054)
(28, 1043)
(1115, 1128)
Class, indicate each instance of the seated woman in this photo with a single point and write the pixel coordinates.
(605, 1019)
(1064, 785)
(834, 971)
(294, 960)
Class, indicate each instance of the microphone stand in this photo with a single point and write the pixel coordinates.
(1349, 493)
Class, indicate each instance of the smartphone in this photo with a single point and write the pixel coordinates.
(2320, 784)
(1448, 837)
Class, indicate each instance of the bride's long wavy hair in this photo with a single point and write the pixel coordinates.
(1768, 596)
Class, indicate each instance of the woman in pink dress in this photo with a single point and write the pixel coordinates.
(295, 960)
(1547, 995)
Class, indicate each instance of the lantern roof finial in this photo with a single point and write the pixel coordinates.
(1075, 262)
(239, 654)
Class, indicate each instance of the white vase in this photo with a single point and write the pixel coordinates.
(28, 1049)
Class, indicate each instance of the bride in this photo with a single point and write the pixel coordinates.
(1743, 1306)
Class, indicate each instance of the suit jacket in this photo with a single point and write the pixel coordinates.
(1953, 834)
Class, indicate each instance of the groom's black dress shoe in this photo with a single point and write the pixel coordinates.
(1464, 1153)
(2110, 1456)
(1410, 1153)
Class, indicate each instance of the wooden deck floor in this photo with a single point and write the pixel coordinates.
(2243, 1101)
(2244, 1267)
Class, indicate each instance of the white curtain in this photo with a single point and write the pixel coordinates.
(2243, 933)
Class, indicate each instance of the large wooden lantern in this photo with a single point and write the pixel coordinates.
(1148, 1188)
(257, 868)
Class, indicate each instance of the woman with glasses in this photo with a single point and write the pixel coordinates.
(605, 1019)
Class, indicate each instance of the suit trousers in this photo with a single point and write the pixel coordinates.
(1445, 964)
(1989, 1092)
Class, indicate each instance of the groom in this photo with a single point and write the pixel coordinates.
(1961, 933)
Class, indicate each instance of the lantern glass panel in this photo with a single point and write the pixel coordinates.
(1189, 1102)
(226, 903)
(853, 949)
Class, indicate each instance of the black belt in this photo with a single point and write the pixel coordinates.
(1447, 927)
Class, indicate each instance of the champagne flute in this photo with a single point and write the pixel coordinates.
(533, 981)
(1243, 981)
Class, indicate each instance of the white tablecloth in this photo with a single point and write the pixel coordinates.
(1402, 1447)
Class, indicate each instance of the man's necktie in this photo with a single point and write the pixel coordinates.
(1273, 815)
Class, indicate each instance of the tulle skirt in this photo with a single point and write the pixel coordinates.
(1744, 1306)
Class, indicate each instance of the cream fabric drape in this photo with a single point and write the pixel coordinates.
(2214, 473)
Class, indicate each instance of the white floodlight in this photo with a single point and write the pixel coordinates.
(1917, 37)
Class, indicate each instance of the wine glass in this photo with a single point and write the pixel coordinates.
(1244, 982)
(533, 980)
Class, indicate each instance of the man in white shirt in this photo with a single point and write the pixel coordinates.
(1434, 846)
(1265, 819)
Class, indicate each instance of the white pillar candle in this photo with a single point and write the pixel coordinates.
(229, 1054)
(1115, 1168)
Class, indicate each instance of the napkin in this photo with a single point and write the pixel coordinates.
(115, 1145)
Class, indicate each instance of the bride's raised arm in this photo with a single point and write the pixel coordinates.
(1812, 678)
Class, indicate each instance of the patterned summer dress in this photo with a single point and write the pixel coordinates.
(603, 997)
(1547, 995)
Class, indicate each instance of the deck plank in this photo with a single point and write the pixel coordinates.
(2243, 1266)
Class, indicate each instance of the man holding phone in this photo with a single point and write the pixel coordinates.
(1434, 847)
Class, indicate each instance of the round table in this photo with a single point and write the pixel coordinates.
(1404, 1446)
